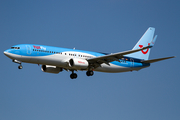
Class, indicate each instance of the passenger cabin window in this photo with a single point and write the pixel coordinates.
(43, 51)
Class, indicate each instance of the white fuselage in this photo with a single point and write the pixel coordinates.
(61, 59)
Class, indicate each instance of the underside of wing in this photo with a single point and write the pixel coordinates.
(113, 57)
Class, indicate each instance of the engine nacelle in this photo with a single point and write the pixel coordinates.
(51, 69)
(78, 63)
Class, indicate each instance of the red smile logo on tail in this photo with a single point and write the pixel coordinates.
(144, 52)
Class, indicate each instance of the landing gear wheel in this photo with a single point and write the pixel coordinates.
(20, 67)
(73, 76)
(89, 73)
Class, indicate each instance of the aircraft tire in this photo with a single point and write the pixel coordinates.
(89, 73)
(20, 67)
(73, 76)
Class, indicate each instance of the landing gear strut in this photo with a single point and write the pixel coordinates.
(89, 73)
(73, 75)
(18, 62)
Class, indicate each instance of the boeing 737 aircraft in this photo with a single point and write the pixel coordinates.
(57, 59)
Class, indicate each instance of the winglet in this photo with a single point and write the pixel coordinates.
(153, 41)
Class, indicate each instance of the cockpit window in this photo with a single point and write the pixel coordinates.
(15, 47)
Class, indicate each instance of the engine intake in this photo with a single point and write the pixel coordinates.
(51, 69)
(78, 63)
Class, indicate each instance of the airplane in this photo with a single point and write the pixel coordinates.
(57, 59)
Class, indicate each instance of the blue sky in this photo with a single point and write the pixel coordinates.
(97, 25)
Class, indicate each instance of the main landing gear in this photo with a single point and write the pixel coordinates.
(73, 75)
(89, 73)
(18, 62)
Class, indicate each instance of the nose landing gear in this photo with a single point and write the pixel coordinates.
(18, 62)
(20, 66)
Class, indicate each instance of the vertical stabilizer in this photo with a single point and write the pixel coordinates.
(145, 40)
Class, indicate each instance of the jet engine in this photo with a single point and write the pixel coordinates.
(51, 69)
(78, 63)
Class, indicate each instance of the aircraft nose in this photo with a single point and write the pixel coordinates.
(6, 52)
(9, 54)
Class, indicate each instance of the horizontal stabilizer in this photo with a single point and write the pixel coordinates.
(156, 60)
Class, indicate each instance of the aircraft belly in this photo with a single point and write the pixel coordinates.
(115, 68)
(55, 60)
(62, 61)
(112, 68)
(44, 60)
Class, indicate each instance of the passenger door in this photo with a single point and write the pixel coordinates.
(28, 48)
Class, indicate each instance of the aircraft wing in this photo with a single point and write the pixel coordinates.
(113, 57)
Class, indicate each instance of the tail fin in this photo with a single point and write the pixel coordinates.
(145, 40)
